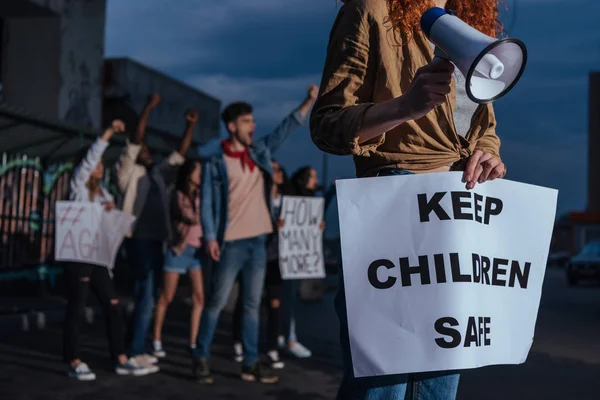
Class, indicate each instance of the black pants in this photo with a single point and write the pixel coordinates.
(80, 279)
(273, 291)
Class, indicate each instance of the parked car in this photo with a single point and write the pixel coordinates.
(559, 259)
(585, 265)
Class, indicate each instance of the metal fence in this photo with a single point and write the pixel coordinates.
(28, 194)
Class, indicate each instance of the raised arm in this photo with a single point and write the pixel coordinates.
(140, 133)
(169, 167)
(191, 117)
(84, 169)
(276, 138)
(344, 119)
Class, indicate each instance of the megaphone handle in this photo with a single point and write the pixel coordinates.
(439, 54)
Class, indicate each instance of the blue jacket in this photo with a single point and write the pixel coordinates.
(215, 185)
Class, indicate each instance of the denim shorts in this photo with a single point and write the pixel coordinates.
(188, 260)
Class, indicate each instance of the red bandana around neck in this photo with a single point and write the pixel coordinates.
(244, 156)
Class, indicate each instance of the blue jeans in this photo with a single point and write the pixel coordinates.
(422, 386)
(248, 256)
(146, 259)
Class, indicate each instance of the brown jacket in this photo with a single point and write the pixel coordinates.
(366, 65)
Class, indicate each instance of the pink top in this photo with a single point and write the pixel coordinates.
(186, 222)
(248, 212)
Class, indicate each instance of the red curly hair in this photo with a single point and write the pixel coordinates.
(405, 15)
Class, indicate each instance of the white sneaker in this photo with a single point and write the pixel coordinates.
(299, 351)
(274, 360)
(81, 372)
(238, 352)
(147, 361)
(158, 352)
(281, 342)
(131, 367)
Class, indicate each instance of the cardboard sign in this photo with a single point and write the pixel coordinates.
(86, 233)
(438, 277)
(301, 238)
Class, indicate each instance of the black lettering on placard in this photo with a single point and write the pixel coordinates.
(299, 263)
(301, 212)
(316, 214)
(482, 270)
(457, 276)
(289, 211)
(426, 207)
(458, 205)
(471, 334)
(440, 268)
(476, 268)
(303, 239)
(300, 239)
(493, 206)
(497, 271)
(487, 322)
(485, 270)
(285, 237)
(522, 276)
(478, 199)
(477, 332)
(442, 329)
(372, 274)
(406, 271)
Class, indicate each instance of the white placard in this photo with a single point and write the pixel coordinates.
(86, 233)
(438, 277)
(301, 238)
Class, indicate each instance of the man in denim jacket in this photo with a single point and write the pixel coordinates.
(236, 203)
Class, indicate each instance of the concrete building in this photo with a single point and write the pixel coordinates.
(573, 231)
(53, 84)
(593, 199)
(126, 87)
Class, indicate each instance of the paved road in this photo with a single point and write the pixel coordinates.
(564, 362)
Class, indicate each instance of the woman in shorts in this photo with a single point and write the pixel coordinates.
(183, 254)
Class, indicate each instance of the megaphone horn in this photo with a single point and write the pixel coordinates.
(492, 67)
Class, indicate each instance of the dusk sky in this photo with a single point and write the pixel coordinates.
(267, 51)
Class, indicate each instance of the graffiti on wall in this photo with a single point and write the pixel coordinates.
(81, 59)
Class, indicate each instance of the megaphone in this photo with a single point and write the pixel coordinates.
(492, 67)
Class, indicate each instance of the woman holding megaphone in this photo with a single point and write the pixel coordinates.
(384, 100)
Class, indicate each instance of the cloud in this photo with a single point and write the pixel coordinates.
(266, 51)
(223, 32)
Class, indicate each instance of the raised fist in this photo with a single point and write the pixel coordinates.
(117, 126)
(153, 99)
(313, 92)
(191, 116)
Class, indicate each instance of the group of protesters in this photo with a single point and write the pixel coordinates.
(187, 213)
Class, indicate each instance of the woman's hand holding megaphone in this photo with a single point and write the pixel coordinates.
(429, 88)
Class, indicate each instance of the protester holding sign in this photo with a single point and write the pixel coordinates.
(236, 203)
(86, 186)
(384, 101)
(145, 187)
(304, 183)
(183, 254)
